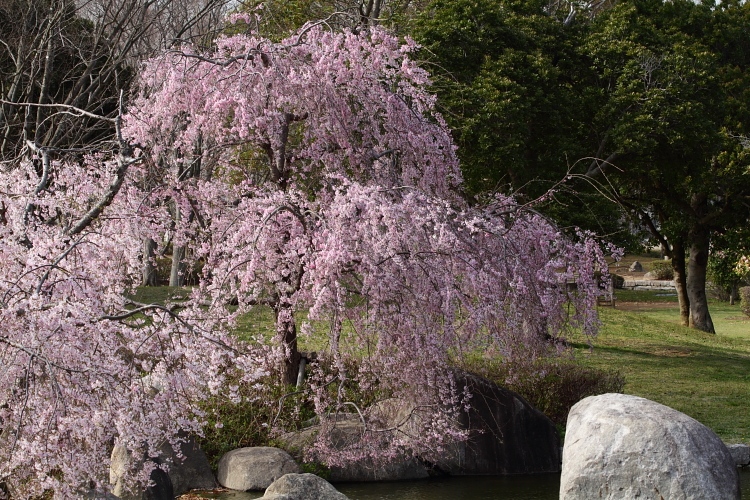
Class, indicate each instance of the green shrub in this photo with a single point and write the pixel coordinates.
(617, 281)
(317, 468)
(249, 418)
(662, 270)
(554, 385)
(745, 300)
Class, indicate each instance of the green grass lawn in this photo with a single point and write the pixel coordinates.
(729, 321)
(703, 375)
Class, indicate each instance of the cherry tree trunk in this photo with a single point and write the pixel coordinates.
(680, 282)
(177, 272)
(286, 333)
(148, 269)
(700, 318)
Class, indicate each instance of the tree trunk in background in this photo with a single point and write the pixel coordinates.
(700, 318)
(148, 269)
(177, 273)
(680, 281)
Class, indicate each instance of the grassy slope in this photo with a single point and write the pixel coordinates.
(705, 376)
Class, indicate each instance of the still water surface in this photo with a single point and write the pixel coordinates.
(538, 487)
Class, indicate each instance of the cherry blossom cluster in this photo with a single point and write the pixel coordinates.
(743, 266)
(78, 369)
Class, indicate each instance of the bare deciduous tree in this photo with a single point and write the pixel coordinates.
(58, 57)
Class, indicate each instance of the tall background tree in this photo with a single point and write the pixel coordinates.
(59, 55)
(278, 18)
(640, 103)
(65, 64)
(667, 124)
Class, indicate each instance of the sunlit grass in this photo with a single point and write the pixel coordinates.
(258, 323)
(728, 319)
(703, 375)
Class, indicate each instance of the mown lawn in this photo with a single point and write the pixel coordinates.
(705, 376)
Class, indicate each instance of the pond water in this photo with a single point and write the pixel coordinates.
(537, 487)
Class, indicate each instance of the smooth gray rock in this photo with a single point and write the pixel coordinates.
(506, 435)
(254, 468)
(302, 487)
(740, 453)
(619, 446)
(191, 471)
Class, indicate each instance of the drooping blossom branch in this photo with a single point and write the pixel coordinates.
(337, 192)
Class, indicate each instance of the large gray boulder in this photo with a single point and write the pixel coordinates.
(190, 469)
(346, 430)
(619, 446)
(254, 468)
(506, 435)
(122, 462)
(302, 487)
(187, 469)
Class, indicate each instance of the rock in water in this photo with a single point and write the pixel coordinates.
(619, 446)
(160, 488)
(740, 453)
(303, 487)
(505, 435)
(190, 470)
(254, 468)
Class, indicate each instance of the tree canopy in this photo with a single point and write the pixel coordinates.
(517, 92)
(643, 103)
(668, 124)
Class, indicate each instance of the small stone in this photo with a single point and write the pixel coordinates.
(636, 267)
(740, 453)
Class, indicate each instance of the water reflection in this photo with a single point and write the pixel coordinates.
(538, 487)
